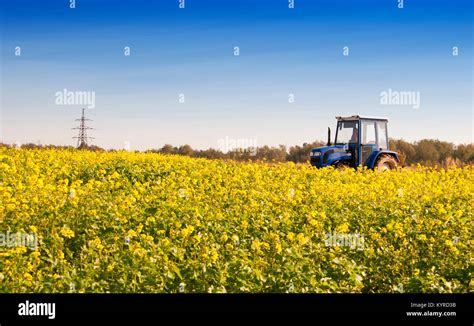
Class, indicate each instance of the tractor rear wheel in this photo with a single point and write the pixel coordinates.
(386, 162)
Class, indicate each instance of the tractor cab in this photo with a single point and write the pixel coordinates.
(359, 141)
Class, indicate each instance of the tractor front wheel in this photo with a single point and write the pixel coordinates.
(386, 162)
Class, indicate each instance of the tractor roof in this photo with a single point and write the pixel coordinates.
(358, 117)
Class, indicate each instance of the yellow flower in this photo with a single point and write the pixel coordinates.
(278, 248)
(342, 228)
(131, 233)
(66, 232)
(301, 239)
(422, 237)
(290, 236)
(224, 237)
(149, 238)
(454, 250)
(28, 277)
(187, 231)
(256, 245)
(96, 244)
(150, 220)
(20, 250)
(214, 256)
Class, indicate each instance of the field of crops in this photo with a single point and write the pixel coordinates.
(130, 222)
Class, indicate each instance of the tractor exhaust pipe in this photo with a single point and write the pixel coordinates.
(329, 137)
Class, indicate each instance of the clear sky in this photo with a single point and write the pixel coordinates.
(191, 51)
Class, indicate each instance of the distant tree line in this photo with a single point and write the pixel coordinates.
(36, 146)
(264, 153)
(427, 152)
(433, 152)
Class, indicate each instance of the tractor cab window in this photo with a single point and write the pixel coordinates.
(368, 133)
(382, 134)
(347, 132)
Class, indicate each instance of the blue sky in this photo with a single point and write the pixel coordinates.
(190, 51)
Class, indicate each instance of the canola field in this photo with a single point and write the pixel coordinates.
(136, 222)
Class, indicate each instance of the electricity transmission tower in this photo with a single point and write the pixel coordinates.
(82, 138)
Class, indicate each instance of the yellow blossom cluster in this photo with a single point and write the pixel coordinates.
(144, 222)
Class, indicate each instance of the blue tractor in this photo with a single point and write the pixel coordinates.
(359, 141)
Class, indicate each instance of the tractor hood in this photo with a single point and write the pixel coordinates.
(324, 149)
(327, 155)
